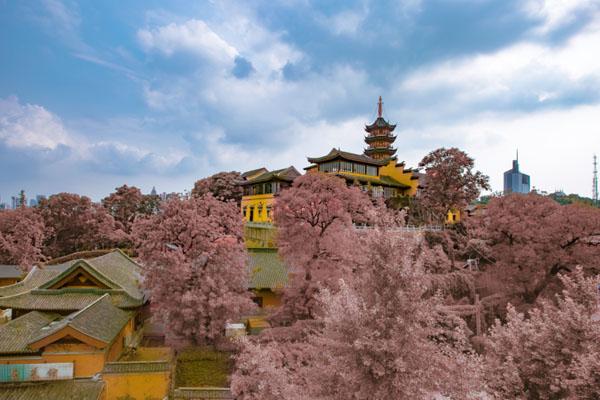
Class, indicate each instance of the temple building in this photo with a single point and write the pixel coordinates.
(377, 171)
(260, 188)
(74, 329)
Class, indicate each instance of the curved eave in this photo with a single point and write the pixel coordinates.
(378, 124)
(386, 138)
(381, 150)
(363, 160)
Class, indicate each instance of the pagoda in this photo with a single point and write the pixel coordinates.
(379, 137)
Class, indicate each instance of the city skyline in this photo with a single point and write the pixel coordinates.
(93, 96)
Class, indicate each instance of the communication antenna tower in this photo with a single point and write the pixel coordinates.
(595, 182)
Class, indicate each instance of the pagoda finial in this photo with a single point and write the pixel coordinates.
(380, 108)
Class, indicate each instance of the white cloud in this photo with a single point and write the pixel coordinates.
(28, 125)
(555, 14)
(194, 36)
(346, 22)
(525, 70)
(38, 134)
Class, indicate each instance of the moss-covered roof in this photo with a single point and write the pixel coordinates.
(115, 270)
(72, 389)
(16, 334)
(68, 299)
(100, 320)
(266, 270)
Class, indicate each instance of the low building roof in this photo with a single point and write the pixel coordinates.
(80, 389)
(285, 174)
(99, 320)
(266, 270)
(116, 270)
(68, 299)
(10, 272)
(254, 172)
(336, 153)
(16, 334)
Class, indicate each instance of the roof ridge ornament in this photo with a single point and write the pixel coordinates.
(380, 108)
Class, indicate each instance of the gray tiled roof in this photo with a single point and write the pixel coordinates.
(266, 270)
(65, 299)
(100, 320)
(72, 389)
(115, 269)
(16, 334)
(10, 271)
(335, 153)
(36, 277)
(285, 174)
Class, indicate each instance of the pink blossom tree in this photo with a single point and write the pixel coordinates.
(379, 336)
(195, 267)
(451, 183)
(73, 223)
(224, 186)
(124, 204)
(316, 238)
(21, 237)
(553, 352)
(531, 238)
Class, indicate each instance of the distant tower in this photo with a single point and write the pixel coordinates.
(595, 182)
(153, 191)
(514, 180)
(379, 137)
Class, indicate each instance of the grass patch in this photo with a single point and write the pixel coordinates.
(202, 366)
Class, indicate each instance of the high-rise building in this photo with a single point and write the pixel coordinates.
(515, 181)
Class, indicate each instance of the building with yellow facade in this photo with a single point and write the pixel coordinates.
(260, 188)
(377, 171)
(71, 325)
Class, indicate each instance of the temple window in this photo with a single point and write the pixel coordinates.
(371, 170)
(345, 166)
(360, 168)
(268, 187)
(377, 191)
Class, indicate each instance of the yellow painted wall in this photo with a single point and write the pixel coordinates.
(269, 298)
(87, 359)
(453, 216)
(85, 364)
(254, 202)
(138, 386)
(396, 171)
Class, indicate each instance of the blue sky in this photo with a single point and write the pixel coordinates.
(161, 93)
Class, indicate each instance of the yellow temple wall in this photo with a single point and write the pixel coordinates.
(137, 386)
(256, 202)
(453, 217)
(396, 171)
(269, 298)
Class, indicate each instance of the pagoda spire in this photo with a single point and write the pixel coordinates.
(379, 136)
